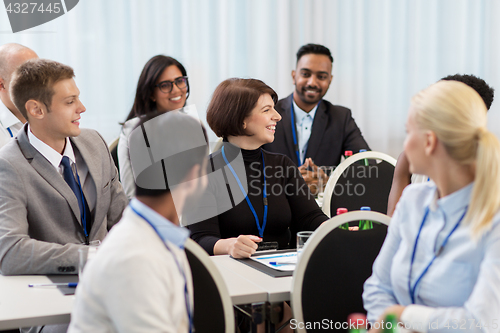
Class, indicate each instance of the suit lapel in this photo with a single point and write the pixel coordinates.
(93, 164)
(317, 131)
(286, 122)
(47, 171)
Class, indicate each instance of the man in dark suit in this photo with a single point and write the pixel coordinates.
(313, 132)
(59, 186)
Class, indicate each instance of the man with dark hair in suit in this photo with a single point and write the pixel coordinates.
(60, 188)
(313, 132)
(144, 254)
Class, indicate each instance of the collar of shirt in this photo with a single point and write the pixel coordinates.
(453, 202)
(49, 153)
(8, 119)
(301, 114)
(166, 229)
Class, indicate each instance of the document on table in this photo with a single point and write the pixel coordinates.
(281, 262)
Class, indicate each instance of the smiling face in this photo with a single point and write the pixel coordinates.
(260, 125)
(176, 98)
(63, 117)
(311, 78)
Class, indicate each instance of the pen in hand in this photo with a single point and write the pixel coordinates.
(69, 285)
(277, 263)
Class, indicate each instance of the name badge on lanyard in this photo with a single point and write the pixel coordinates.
(186, 294)
(412, 289)
(294, 133)
(262, 227)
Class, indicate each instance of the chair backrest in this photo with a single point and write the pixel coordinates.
(334, 264)
(113, 149)
(213, 309)
(353, 185)
(217, 145)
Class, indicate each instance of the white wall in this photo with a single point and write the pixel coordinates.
(384, 50)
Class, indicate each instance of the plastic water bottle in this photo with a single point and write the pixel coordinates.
(344, 226)
(390, 324)
(365, 161)
(357, 323)
(365, 224)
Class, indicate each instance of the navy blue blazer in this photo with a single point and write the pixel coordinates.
(333, 132)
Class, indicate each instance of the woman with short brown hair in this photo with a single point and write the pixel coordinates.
(273, 202)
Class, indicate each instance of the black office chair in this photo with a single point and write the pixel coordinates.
(334, 264)
(353, 185)
(213, 308)
(113, 149)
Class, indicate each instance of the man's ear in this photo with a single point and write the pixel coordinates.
(293, 76)
(431, 142)
(2, 84)
(193, 174)
(35, 109)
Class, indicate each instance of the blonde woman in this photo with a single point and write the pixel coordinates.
(439, 268)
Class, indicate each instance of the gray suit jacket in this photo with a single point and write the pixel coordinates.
(40, 226)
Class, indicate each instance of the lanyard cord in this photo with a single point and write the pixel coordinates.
(261, 229)
(294, 133)
(186, 294)
(413, 290)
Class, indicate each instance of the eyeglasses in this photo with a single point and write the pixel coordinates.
(167, 86)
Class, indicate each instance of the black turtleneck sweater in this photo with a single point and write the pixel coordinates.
(291, 207)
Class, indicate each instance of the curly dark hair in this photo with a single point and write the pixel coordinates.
(483, 89)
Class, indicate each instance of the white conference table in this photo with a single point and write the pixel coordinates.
(275, 289)
(21, 306)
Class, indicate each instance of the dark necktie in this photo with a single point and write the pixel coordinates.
(77, 190)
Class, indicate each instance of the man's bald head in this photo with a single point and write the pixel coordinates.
(12, 56)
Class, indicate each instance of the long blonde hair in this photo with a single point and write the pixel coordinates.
(457, 115)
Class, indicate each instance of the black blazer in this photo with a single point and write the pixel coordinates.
(333, 132)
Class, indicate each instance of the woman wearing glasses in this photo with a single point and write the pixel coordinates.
(439, 267)
(163, 86)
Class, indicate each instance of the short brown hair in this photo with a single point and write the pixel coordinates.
(233, 101)
(35, 80)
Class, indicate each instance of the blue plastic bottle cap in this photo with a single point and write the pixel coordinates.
(365, 208)
(362, 150)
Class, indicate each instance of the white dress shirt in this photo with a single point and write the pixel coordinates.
(126, 173)
(9, 125)
(133, 283)
(304, 121)
(461, 287)
(77, 163)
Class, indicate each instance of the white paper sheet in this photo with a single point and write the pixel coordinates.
(281, 262)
